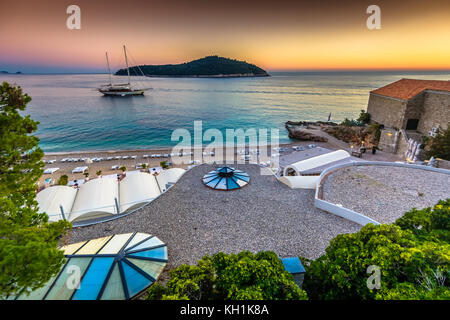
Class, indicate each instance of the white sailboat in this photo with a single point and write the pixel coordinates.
(120, 90)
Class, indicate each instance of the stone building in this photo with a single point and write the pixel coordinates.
(410, 109)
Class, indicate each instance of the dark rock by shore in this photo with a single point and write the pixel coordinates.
(299, 130)
(310, 123)
(311, 131)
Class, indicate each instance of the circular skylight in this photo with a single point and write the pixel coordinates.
(116, 267)
(226, 178)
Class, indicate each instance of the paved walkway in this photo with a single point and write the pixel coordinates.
(195, 220)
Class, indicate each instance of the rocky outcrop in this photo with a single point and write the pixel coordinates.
(309, 124)
(298, 130)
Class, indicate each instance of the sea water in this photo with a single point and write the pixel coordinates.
(74, 116)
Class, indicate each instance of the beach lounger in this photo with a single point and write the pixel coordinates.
(50, 170)
(79, 169)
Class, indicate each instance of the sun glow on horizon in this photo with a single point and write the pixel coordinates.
(305, 36)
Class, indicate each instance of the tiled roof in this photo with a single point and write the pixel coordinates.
(407, 88)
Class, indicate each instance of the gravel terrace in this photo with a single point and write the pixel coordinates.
(194, 220)
(385, 193)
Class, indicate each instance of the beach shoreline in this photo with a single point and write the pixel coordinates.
(156, 149)
(106, 166)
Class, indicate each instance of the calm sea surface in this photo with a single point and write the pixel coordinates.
(73, 116)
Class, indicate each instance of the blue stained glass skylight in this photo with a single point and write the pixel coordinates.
(226, 178)
(112, 268)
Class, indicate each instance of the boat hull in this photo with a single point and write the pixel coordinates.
(123, 93)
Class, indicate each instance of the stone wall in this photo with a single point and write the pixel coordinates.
(436, 111)
(388, 140)
(387, 111)
(414, 109)
(402, 144)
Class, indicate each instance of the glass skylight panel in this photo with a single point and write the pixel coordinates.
(226, 178)
(111, 268)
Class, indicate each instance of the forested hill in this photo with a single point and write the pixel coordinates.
(212, 66)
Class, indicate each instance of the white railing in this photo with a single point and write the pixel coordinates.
(350, 214)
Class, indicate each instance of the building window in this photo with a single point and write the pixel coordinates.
(412, 124)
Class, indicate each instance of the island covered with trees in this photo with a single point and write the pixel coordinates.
(208, 67)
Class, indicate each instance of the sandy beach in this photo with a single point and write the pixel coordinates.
(105, 166)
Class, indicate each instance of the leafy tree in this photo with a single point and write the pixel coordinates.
(412, 255)
(99, 173)
(439, 146)
(123, 168)
(364, 117)
(63, 180)
(223, 276)
(28, 242)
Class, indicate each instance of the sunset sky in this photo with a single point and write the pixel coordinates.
(275, 35)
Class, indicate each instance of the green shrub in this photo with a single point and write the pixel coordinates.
(375, 129)
(439, 146)
(349, 123)
(410, 254)
(63, 180)
(223, 276)
(163, 164)
(429, 223)
(364, 117)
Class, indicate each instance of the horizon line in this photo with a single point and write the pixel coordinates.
(18, 72)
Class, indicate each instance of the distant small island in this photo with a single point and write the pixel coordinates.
(208, 67)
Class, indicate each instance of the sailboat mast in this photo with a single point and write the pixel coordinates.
(109, 69)
(126, 61)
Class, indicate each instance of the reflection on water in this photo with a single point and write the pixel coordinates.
(74, 116)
